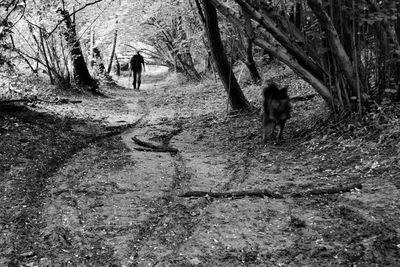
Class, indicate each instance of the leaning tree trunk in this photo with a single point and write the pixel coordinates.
(263, 37)
(236, 97)
(113, 47)
(112, 52)
(81, 72)
(92, 45)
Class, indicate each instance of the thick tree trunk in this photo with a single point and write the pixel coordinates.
(81, 72)
(236, 97)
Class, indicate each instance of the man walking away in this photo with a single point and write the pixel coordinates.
(136, 67)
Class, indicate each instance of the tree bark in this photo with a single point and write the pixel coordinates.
(267, 23)
(117, 66)
(236, 97)
(80, 70)
(112, 52)
(336, 46)
(113, 47)
(283, 56)
(46, 57)
(92, 45)
(250, 63)
(277, 51)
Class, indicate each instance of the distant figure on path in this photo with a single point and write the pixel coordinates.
(136, 67)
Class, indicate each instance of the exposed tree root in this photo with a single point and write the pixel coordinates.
(154, 147)
(327, 191)
(237, 194)
(270, 194)
(30, 100)
(112, 131)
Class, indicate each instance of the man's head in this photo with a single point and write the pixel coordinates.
(138, 52)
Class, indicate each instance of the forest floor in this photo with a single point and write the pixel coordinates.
(77, 190)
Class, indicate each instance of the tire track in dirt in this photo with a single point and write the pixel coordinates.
(240, 172)
(172, 221)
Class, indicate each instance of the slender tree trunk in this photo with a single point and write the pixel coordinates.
(270, 25)
(277, 51)
(117, 66)
(46, 57)
(236, 97)
(250, 63)
(337, 47)
(113, 47)
(298, 13)
(112, 51)
(92, 41)
(285, 57)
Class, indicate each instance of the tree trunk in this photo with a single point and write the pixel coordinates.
(298, 13)
(45, 56)
(113, 47)
(282, 55)
(80, 70)
(117, 66)
(294, 49)
(336, 46)
(250, 63)
(236, 97)
(112, 52)
(285, 57)
(92, 38)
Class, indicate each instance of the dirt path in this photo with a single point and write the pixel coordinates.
(114, 204)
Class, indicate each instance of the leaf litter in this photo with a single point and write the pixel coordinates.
(73, 194)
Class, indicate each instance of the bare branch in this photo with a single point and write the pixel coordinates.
(73, 13)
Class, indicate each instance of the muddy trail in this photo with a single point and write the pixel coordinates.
(163, 177)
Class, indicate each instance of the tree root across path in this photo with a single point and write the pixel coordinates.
(236, 194)
(35, 99)
(270, 194)
(153, 147)
(327, 191)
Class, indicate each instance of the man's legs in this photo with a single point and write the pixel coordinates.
(139, 73)
(134, 78)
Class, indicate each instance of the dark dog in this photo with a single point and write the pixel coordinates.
(276, 110)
